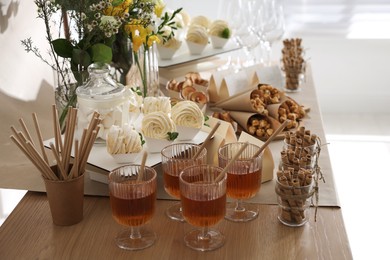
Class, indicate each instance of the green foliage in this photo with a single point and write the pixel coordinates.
(63, 48)
(225, 33)
(172, 135)
(101, 53)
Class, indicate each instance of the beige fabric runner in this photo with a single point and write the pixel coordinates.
(17, 172)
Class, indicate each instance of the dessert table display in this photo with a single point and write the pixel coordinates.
(30, 233)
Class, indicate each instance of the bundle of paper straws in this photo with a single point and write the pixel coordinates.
(66, 168)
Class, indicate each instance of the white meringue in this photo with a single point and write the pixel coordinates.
(153, 104)
(123, 140)
(187, 113)
(157, 125)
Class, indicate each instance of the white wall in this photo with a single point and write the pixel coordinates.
(21, 73)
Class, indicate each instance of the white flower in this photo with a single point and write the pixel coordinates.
(166, 31)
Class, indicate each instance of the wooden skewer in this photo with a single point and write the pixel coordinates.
(70, 128)
(56, 128)
(271, 138)
(39, 134)
(87, 150)
(141, 172)
(39, 159)
(29, 156)
(26, 132)
(74, 171)
(59, 164)
(235, 157)
(207, 140)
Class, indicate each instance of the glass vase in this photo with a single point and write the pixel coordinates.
(144, 71)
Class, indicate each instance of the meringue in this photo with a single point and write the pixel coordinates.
(153, 104)
(157, 125)
(197, 34)
(188, 114)
(218, 28)
(123, 140)
(201, 20)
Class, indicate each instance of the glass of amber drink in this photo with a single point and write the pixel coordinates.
(243, 180)
(203, 198)
(133, 204)
(174, 159)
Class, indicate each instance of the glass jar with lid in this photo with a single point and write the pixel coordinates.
(101, 93)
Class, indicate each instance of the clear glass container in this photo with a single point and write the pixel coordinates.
(101, 93)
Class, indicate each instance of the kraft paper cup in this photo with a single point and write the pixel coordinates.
(66, 200)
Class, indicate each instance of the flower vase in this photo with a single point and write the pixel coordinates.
(144, 71)
(64, 97)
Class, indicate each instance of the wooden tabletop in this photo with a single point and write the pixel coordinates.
(28, 233)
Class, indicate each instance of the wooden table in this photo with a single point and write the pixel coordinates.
(28, 233)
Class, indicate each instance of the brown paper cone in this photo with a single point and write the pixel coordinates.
(66, 200)
(242, 118)
(239, 102)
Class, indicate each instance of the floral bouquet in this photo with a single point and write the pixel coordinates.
(82, 32)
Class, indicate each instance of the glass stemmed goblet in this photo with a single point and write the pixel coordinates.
(269, 23)
(203, 196)
(174, 158)
(133, 204)
(243, 180)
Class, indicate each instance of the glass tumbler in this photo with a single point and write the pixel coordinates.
(294, 203)
(203, 196)
(243, 180)
(133, 204)
(174, 159)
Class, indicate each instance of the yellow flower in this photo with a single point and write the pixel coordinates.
(152, 39)
(159, 7)
(137, 42)
(118, 10)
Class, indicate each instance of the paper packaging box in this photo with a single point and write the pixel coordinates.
(268, 161)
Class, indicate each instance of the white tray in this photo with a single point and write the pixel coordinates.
(183, 56)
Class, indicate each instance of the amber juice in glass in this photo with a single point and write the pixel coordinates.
(243, 179)
(175, 158)
(203, 197)
(133, 199)
(133, 211)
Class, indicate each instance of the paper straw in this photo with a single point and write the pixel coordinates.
(207, 140)
(39, 134)
(142, 168)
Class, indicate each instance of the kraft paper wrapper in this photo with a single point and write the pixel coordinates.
(242, 118)
(272, 75)
(66, 200)
(239, 102)
(225, 134)
(227, 83)
(273, 110)
(268, 161)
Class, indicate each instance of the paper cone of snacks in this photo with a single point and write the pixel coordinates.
(246, 102)
(288, 109)
(255, 124)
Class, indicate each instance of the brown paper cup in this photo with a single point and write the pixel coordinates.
(66, 200)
